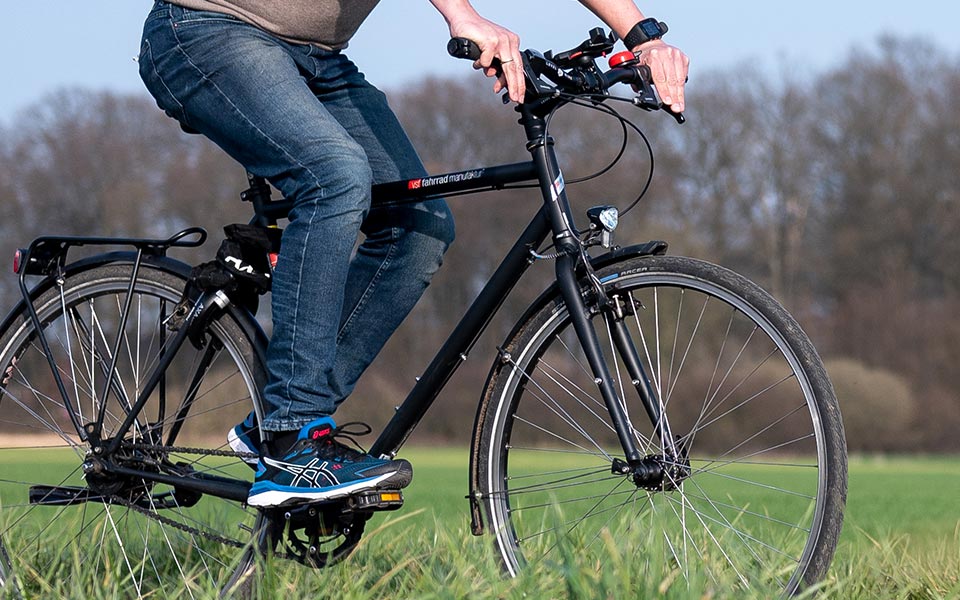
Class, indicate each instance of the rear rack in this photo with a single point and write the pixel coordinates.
(48, 254)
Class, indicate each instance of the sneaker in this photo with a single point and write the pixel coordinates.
(318, 467)
(245, 438)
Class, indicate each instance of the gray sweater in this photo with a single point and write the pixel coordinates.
(326, 23)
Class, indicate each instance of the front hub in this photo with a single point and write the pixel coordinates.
(654, 473)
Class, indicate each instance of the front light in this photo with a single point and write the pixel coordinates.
(609, 218)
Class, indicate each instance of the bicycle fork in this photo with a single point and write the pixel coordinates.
(647, 471)
(626, 350)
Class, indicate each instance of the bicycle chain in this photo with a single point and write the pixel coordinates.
(187, 450)
(166, 450)
(177, 525)
(166, 520)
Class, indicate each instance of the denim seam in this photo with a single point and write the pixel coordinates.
(367, 293)
(296, 308)
(242, 115)
(208, 16)
(207, 20)
(156, 73)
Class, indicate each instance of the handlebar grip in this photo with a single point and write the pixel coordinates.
(463, 48)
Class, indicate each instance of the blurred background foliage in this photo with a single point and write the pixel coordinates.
(839, 193)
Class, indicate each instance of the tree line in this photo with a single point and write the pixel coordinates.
(839, 192)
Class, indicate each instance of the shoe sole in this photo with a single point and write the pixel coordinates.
(275, 498)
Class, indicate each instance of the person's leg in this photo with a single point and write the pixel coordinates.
(404, 244)
(245, 90)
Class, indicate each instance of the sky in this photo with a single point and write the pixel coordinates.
(48, 45)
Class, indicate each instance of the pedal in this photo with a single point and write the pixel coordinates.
(375, 500)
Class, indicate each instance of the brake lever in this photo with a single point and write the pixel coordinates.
(677, 116)
(648, 98)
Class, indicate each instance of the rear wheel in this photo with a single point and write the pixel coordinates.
(749, 489)
(62, 530)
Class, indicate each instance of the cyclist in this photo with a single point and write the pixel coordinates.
(270, 84)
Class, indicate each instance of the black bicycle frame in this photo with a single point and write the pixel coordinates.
(554, 218)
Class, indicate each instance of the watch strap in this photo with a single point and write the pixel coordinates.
(644, 31)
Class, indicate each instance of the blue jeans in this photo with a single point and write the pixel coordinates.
(308, 121)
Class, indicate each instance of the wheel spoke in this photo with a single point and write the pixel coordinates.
(737, 495)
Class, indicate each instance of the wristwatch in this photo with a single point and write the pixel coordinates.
(644, 31)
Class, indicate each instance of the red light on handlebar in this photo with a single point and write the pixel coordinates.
(621, 59)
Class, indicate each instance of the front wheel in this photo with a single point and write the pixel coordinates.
(752, 480)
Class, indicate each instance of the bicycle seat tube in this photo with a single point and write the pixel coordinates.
(566, 241)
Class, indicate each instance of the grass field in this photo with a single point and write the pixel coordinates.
(900, 540)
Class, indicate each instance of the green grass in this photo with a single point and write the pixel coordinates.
(900, 541)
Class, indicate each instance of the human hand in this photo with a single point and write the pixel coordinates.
(668, 67)
(495, 42)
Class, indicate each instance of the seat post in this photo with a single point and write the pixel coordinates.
(259, 195)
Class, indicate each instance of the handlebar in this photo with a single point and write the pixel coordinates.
(576, 72)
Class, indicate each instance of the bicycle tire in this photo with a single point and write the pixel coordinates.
(49, 550)
(766, 481)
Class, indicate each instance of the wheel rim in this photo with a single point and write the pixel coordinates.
(556, 412)
(114, 541)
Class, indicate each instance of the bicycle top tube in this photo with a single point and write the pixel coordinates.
(552, 81)
(422, 188)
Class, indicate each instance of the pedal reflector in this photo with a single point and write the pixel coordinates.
(377, 500)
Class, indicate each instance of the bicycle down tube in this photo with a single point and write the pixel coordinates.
(554, 217)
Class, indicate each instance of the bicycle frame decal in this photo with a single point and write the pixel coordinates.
(557, 187)
(460, 177)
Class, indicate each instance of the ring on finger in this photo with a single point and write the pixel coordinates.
(503, 62)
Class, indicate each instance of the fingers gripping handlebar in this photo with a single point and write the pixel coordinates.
(575, 72)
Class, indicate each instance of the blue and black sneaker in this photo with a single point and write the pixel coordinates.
(245, 438)
(318, 467)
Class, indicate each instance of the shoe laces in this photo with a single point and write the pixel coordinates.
(331, 443)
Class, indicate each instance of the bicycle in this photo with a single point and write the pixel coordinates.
(639, 392)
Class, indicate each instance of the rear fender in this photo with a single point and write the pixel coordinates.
(169, 265)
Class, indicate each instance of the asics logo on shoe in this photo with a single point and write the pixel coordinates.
(309, 473)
